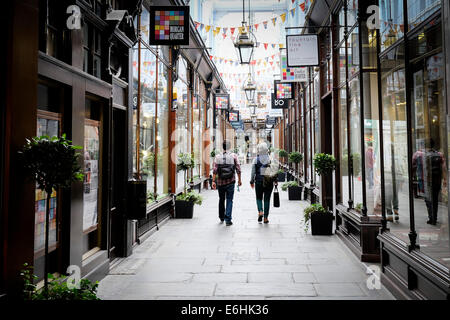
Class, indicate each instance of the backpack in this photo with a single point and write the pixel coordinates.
(268, 172)
(435, 164)
(225, 170)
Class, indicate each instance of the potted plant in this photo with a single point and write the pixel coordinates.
(295, 157)
(324, 163)
(282, 154)
(294, 190)
(52, 163)
(281, 175)
(355, 162)
(321, 220)
(184, 203)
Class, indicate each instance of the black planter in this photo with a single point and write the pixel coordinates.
(321, 224)
(295, 193)
(281, 177)
(184, 209)
(290, 177)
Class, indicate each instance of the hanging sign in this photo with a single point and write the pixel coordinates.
(233, 116)
(271, 121)
(169, 25)
(302, 50)
(279, 103)
(276, 113)
(222, 101)
(283, 90)
(290, 74)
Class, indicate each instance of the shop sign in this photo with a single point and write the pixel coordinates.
(169, 25)
(302, 50)
(290, 74)
(276, 113)
(237, 125)
(222, 101)
(233, 116)
(271, 121)
(279, 103)
(283, 90)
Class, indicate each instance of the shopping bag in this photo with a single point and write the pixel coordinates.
(276, 198)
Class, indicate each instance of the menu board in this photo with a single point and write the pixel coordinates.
(222, 101)
(91, 175)
(283, 90)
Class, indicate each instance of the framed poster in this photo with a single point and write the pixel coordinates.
(233, 116)
(169, 25)
(302, 50)
(290, 74)
(222, 101)
(283, 90)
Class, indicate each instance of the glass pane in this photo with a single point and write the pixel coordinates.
(419, 10)
(352, 12)
(316, 139)
(391, 22)
(341, 23)
(355, 140)
(49, 128)
(147, 121)
(395, 143)
(369, 47)
(343, 136)
(196, 132)
(181, 136)
(91, 175)
(163, 131)
(145, 23)
(342, 64)
(353, 53)
(308, 144)
(372, 143)
(430, 156)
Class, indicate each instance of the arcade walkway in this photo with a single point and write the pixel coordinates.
(200, 258)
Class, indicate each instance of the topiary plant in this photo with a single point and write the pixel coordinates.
(289, 184)
(52, 163)
(295, 157)
(282, 153)
(316, 207)
(324, 163)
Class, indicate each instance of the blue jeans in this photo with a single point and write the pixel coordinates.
(263, 194)
(226, 191)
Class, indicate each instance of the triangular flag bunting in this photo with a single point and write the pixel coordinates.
(293, 12)
(302, 6)
(197, 24)
(266, 45)
(281, 45)
(274, 20)
(265, 24)
(283, 17)
(232, 30)
(207, 28)
(256, 26)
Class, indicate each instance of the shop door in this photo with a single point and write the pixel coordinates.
(118, 183)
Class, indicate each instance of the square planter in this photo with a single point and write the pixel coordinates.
(281, 177)
(184, 209)
(321, 224)
(295, 193)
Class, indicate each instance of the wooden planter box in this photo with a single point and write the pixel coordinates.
(321, 224)
(295, 193)
(184, 209)
(281, 177)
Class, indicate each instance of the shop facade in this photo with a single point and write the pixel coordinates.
(378, 102)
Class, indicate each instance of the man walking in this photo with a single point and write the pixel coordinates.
(224, 179)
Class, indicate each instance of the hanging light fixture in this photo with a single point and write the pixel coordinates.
(244, 44)
(250, 88)
(252, 105)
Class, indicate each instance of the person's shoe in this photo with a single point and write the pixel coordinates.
(389, 218)
(266, 220)
(396, 217)
(229, 223)
(260, 217)
(221, 221)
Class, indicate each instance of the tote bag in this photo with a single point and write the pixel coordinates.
(276, 198)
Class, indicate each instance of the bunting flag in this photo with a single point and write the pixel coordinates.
(224, 30)
(281, 46)
(232, 30)
(283, 17)
(197, 24)
(266, 45)
(207, 28)
(256, 26)
(273, 45)
(265, 24)
(293, 12)
(274, 20)
(302, 6)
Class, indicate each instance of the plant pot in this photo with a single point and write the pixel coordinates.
(295, 193)
(321, 224)
(281, 177)
(184, 209)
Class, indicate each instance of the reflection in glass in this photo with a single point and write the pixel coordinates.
(391, 22)
(343, 145)
(162, 137)
(355, 140)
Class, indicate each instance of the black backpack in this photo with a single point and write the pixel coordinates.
(435, 165)
(226, 170)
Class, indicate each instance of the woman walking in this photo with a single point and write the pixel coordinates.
(262, 180)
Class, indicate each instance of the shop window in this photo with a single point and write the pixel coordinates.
(162, 137)
(308, 146)
(369, 47)
(420, 10)
(92, 186)
(316, 123)
(342, 23)
(343, 145)
(342, 64)
(352, 12)
(429, 143)
(395, 137)
(92, 50)
(355, 140)
(145, 25)
(391, 22)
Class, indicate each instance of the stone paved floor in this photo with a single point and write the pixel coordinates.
(200, 258)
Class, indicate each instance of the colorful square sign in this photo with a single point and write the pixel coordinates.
(233, 116)
(222, 101)
(290, 74)
(169, 25)
(283, 90)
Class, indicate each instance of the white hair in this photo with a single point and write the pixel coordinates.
(262, 148)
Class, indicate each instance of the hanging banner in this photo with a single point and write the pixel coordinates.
(302, 50)
(279, 103)
(289, 74)
(222, 101)
(283, 90)
(169, 25)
